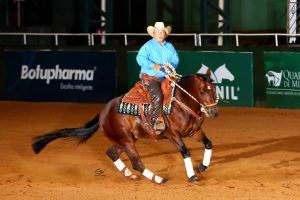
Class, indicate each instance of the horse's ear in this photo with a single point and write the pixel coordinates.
(208, 72)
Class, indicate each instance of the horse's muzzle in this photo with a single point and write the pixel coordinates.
(212, 111)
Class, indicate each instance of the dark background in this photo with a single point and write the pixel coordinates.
(134, 15)
(75, 16)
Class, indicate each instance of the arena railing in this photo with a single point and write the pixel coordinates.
(237, 36)
(197, 38)
(54, 35)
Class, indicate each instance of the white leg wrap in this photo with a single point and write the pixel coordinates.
(206, 158)
(121, 166)
(189, 167)
(148, 174)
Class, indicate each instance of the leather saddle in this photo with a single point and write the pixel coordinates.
(138, 98)
(138, 94)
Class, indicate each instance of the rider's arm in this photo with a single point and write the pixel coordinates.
(142, 57)
(174, 58)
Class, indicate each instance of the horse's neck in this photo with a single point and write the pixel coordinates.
(187, 108)
(185, 98)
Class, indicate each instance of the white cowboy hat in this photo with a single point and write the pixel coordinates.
(159, 26)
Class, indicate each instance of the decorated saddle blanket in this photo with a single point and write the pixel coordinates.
(137, 98)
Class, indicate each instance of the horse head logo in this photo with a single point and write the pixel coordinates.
(221, 73)
(274, 78)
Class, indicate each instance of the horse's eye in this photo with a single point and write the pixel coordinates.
(201, 92)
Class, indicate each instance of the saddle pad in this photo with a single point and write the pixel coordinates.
(130, 102)
(133, 109)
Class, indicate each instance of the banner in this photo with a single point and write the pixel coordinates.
(282, 73)
(60, 76)
(231, 72)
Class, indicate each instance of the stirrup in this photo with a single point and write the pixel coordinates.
(146, 125)
(159, 125)
(150, 131)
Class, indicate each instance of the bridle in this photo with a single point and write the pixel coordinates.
(170, 72)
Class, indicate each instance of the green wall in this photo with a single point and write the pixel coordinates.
(247, 15)
(258, 15)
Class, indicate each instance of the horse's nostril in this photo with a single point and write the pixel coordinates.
(216, 114)
(213, 112)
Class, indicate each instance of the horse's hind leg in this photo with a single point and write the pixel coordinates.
(114, 154)
(201, 137)
(139, 166)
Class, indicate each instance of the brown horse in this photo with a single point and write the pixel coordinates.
(196, 96)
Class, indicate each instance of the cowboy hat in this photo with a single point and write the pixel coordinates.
(159, 26)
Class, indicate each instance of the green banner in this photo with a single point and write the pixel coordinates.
(231, 72)
(282, 73)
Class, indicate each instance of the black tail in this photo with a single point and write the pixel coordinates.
(82, 133)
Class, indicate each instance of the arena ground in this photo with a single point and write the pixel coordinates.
(256, 156)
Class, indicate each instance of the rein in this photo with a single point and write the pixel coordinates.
(198, 117)
(173, 73)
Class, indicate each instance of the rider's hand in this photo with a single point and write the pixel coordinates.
(168, 66)
(157, 67)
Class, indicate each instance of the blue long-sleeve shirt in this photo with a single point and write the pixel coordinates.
(152, 52)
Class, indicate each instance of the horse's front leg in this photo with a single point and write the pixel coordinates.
(201, 137)
(179, 144)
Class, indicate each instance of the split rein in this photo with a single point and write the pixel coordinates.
(170, 72)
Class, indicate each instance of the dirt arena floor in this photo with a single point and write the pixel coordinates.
(256, 155)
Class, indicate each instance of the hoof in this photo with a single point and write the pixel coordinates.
(193, 179)
(164, 180)
(201, 168)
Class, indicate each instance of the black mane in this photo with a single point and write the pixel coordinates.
(205, 77)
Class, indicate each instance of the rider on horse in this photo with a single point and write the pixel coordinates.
(154, 54)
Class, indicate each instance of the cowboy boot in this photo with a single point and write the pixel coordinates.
(156, 98)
